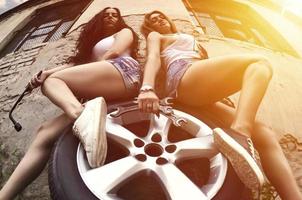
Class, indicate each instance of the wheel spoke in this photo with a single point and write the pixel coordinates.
(160, 125)
(120, 134)
(218, 170)
(216, 161)
(196, 147)
(105, 178)
(178, 185)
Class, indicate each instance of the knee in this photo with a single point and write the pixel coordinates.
(44, 86)
(48, 82)
(263, 67)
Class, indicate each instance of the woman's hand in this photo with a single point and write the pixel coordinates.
(38, 79)
(148, 102)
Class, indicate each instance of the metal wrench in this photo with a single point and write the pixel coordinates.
(28, 89)
(165, 109)
(177, 121)
(162, 107)
(163, 103)
(122, 110)
(166, 101)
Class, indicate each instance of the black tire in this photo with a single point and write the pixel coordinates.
(65, 182)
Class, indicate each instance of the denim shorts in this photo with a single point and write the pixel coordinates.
(175, 72)
(130, 71)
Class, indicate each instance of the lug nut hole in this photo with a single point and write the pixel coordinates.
(141, 157)
(170, 148)
(156, 137)
(161, 161)
(139, 143)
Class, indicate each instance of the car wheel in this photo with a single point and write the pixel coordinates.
(148, 158)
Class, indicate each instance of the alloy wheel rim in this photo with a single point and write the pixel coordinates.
(156, 153)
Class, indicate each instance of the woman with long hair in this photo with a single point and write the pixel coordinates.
(196, 80)
(108, 46)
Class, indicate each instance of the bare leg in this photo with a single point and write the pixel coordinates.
(35, 158)
(208, 81)
(86, 81)
(271, 154)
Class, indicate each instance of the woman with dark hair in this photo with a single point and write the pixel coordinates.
(94, 31)
(196, 80)
(108, 46)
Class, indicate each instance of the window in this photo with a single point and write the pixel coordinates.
(211, 27)
(232, 19)
(48, 24)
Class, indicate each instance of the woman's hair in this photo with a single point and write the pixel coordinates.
(147, 27)
(93, 32)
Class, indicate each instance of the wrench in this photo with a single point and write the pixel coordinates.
(166, 101)
(164, 108)
(168, 112)
(123, 110)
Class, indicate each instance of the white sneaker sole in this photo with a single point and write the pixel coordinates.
(245, 166)
(99, 149)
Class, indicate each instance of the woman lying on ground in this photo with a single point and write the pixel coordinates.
(195, 80)
(107, 44)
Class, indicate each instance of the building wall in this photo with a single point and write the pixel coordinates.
(175, 9)
(247, 21)
(288, 29)
(15, 22)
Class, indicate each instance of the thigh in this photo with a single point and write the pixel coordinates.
(93, 79)
(210, 80)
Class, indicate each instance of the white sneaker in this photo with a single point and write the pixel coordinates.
(240, 152)
(90, 129)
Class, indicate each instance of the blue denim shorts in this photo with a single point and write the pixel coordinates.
(130, 71)
(175, 72)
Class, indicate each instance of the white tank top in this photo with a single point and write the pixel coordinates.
(103, 46)
(183, 47)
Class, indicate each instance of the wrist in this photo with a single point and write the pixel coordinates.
(146, 88)
(47, 72)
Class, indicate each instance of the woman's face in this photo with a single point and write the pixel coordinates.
(111, 17)
(160, 23)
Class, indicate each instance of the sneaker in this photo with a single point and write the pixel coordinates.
(240, 151)
(90, 129)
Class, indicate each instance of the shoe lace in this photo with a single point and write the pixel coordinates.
(251, 147)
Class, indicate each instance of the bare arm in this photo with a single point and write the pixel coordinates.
(38, 79)
(153, 62)
(123, 40)
(148, 101)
